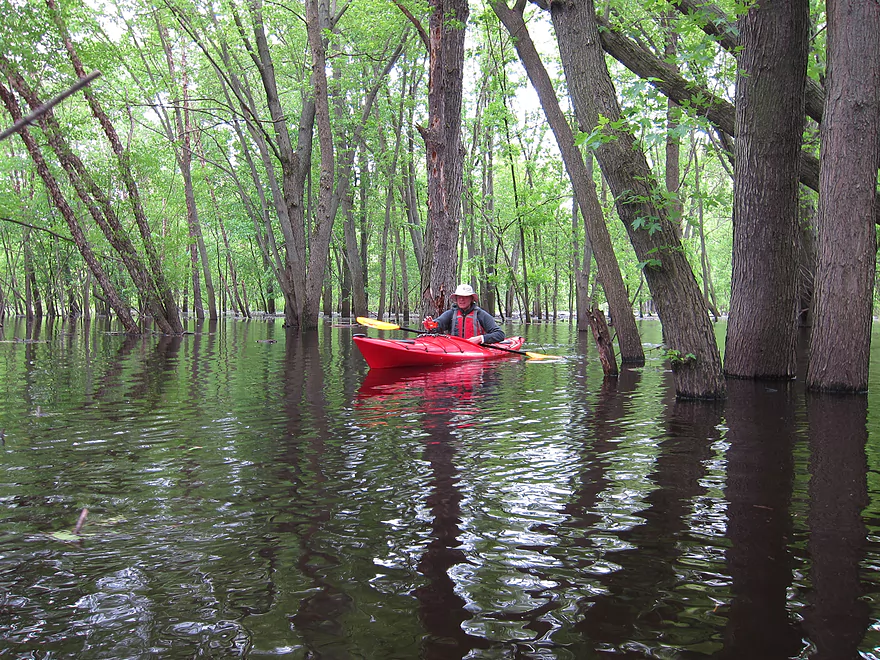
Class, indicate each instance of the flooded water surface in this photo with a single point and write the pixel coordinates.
(248, 491)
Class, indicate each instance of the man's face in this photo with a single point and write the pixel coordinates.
(463, 302)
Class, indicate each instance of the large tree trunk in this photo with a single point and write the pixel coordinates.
(687, 330)
(716, 24)
(841, 339)
(581, 180)
(762, 330)
(442, 139)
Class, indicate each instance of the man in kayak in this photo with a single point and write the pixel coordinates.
(466, 320)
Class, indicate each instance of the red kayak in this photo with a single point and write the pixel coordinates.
(427, 350)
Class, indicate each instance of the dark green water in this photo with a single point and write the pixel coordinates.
(250, 499)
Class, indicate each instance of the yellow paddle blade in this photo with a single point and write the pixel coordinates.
(540, 356)
(379, 325)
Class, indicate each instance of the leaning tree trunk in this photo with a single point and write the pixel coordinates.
(762, 330)
(841, 340)
(112, 297)
(164, 306)
(687, 330)
(619, 306)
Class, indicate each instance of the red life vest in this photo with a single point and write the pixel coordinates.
(466, 325)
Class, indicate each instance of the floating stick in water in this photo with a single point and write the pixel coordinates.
(81, 521)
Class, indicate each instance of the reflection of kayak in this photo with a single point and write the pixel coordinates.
(396, 392)
(421, 381)
(427, 350)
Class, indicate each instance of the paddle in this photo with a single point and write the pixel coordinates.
(384, 325)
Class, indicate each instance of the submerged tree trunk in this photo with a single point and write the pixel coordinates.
(762, 330)
(687, 330)
(841, 339)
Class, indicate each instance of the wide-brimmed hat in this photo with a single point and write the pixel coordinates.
(465, 290)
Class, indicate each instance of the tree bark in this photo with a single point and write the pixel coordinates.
(841, 338)
(680, 305)
(320, 239)
(619, 306)
(442, 136)
(762, 328)
(603, 341)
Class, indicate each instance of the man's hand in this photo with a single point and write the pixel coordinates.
(429, 323)
(476, 340)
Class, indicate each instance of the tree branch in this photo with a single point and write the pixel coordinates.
(39, 112)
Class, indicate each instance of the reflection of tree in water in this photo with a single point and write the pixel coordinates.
(441, 610)
(837, 617)
(445, 398)
(300, 463)
(761, 424)
(639, 604)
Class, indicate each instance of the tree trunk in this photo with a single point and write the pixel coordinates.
(353, 264)
(404, 278)
(708, 288)
(383, 254)
(442, 139)
(581, 275)
(288, 200)
(183, 152)
(680, 305)
(762, 329)
(603, 341)
(489, 297)
(716, 24)
(673, 141)
(841, 339)
(690, 94)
